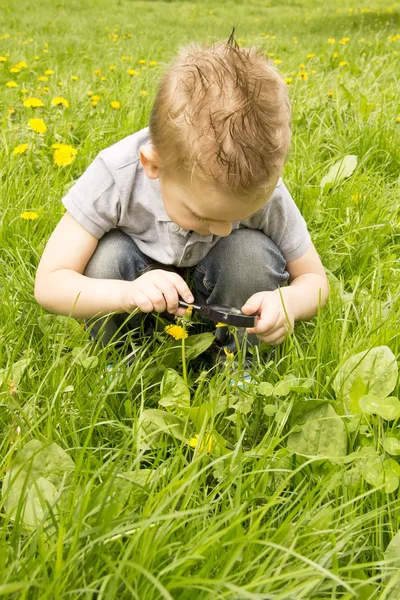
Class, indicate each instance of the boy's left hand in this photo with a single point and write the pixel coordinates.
(272, 325)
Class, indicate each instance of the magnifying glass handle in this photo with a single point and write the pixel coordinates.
(183, 304)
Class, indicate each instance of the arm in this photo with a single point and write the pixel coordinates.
(59, 279)
(308, 289)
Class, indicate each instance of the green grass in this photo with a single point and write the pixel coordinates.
(141, 513)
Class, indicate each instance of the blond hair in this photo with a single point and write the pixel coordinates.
(225, 111)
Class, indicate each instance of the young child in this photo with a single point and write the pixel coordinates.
(197, 192)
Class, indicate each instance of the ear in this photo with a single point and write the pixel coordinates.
(150, 162)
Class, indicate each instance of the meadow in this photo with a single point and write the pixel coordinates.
(159, 477)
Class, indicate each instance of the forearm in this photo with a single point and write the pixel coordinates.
(306, 294)
(67, 292)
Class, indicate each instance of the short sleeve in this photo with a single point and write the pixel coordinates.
(94, 199)
(285, 225)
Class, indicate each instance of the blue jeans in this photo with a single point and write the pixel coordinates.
(238, 266)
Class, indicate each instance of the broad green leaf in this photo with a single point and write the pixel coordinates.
(344, 94)
(15, 372)
(339, 171)
(62, 330)
(244, 404)
(377, 370)
(35, 461)
(322, 433)
(194, 346)
(392, 552)
(265, 388)
(372, 470)
(387, 408)
(390, 480)
(154, 423)
(40, 493)
(365, 107)
(82, 357)
(270, 410)
(391, 445)
(174, 391)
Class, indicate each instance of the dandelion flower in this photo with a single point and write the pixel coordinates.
(331, 40)
(133, 72)
(310, 55)
(90, 93)
(60, 101)
(59, 83)
(43, 78)
(277, 61)
(14, 70)
(24, 91)
(3, 59)
(112, 68)
(36, 57)
(144, 92)
(21, 65)
(342, 63)
(398, 120)
(104, 78)
(37, 125)
(21, 149)
(330, 93)
(152, 63)
(176, 331)
(303, 75)
(29, 215)
(64, 154)
(95, 103)
(95, 98)
(33, 103)
(288, 80)
(206, 443)
(142, 61)
(11, 84)
(335, 55)
(49, 72)
(115, 104)
(74, 77)
(97, 71)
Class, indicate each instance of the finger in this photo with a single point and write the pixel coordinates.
(253, 304)
(142, 302)
(275, 338)
(169, 292)
(265, 325)
(180, 285)
(156, 297)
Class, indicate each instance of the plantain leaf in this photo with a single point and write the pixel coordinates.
(339, 171)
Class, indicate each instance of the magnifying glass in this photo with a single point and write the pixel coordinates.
(222, 314)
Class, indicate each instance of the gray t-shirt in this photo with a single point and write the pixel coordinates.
(114, 192)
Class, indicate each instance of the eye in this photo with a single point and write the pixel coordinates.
(198, 218)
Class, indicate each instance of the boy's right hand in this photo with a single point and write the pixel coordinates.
(157, 290)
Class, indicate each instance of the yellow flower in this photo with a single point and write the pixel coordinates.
(21, 65)
(14, 70)
(37, 57)
(29, 216)
(59, 83)
(153, 62)
(37, 125)
(3, 59)
(97, 71)
(229, 355)
(303, 75)
(112, 68)
(115, 104)
(94, 103)
(90, 93)
(356, 197)
(302, 66)
(331, 40)
(288, 80)
(24, 91)
(95, 98)
(103, 78)
(142, 61)
(277, 61)
(176, 331)
(330, 93)
(144, 92)
(310, 55)
(74, 77)
(206, 443)
(21, 149)
(60, 101)
(49, 72)
(335, 55)
(133, 72)
(64, 154)
(43, 78)
(342, 63)
(397, 119)
(11, 84)
(33, 103)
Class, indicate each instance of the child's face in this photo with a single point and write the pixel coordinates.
(197, 206)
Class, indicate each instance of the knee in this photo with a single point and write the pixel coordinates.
(111, 258)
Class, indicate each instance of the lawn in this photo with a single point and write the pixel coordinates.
(160, 478)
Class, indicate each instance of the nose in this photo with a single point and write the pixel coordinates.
(222, 229)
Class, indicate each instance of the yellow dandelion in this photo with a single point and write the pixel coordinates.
(112, 68)
(59, 101)
(46, 89)
(123, 57)
(3, 59)
(310, 55)
(49, 72)
(59, 83)
(176, 331)
(342, 63)
(206, 443)
(43, 78)
(303, 75)
(397, 119)
(37, 125)
(144, 92)
(302, 66)
(277, 61)
(14, 70)
(335, 55)
(331, 40)
(330, 93)
(33, 103)
(271, 54)
(115, 104)
(356, 198)
(142, 61)
(96, 98)
(21, 149)
(103, 78)
(94, 103)
(11, 84)
(152, 63)
(21, 65)
(74, 77)
(288, 80)
(64, 154)
(133, 72)
(24, 91)
(29, 215)
(97, 71)
(36, 57)
(89, 93)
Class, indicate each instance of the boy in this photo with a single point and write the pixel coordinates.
(199, 192)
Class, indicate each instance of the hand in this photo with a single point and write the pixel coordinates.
(272, 326)
(157, 290)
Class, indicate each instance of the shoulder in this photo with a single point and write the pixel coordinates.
(125, 152)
